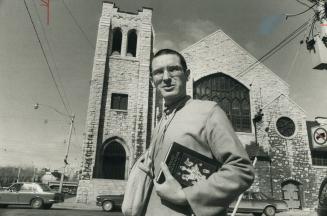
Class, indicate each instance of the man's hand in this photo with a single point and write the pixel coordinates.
(170, 190)
(146, 163)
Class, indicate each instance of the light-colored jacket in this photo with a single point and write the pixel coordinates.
(204, 127)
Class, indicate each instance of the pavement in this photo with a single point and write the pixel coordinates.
(296, 212)
(70, 203)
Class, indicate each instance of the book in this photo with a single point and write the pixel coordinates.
(187, 166)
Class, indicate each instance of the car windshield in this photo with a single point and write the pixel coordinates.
(260, 196)
(15, 187)
(45, 187)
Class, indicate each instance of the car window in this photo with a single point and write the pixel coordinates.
(259, 196)
(246, 196)
(15, 187)
(256, 196)
(264, 196)
(27, 188)
(45, 187)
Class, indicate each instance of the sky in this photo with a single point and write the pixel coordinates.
(38, 137)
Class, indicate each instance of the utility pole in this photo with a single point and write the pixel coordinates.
(317, 43)
(67, 152)
(46, 4)
(321, 11)
(18, 174)
(72, 118)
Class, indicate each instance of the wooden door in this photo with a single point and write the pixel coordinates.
(291, 195)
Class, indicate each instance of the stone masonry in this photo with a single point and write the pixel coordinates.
(290, 159)
(123, 74)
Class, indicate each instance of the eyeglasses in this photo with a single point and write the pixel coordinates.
(173, 70)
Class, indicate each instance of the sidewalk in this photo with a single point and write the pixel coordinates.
(298, 213)
(70, 203)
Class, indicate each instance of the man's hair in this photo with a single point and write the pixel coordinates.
(173, 52)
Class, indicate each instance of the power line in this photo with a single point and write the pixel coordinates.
(292, 15)
(52, 56)
(46, 59)
(78, 25)
(276, 48)
(303, 3)
(298, 51)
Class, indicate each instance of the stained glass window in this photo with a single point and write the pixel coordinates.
(232, 96)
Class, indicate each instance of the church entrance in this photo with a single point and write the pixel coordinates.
(114, 161)
(291, 194)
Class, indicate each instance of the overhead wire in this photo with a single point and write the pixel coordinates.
(46, 59)
(311, 7)
(298, 50)
(53, 59)
(303, 3)
(77, 24)
(276, 48)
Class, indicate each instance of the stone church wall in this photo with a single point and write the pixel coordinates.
(121, 74)
(290, 157)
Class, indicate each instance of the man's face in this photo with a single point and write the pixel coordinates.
(169, 77)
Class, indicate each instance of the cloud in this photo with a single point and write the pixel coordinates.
(250, 46)
(164, 44)
(195, 30)
(269, 24)
(188, 32)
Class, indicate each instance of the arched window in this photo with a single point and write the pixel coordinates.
(114, 160)
(116, 41)
(131, 43)
(232, 97)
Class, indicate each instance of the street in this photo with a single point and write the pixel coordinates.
(27, 211)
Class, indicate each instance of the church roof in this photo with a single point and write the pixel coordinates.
(220, 36)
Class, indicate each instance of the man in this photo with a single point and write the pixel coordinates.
(203, 127)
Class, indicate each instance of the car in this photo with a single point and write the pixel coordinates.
(258, 203)
(36, 195)
(109, 202)
(322, 199)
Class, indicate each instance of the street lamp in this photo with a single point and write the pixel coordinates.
(72, 117)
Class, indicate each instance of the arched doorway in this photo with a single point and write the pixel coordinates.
(113, 161)
(231, 95)
(292, 194)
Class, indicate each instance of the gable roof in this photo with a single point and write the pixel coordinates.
(251, 61)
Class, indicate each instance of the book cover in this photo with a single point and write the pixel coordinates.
(188, 166)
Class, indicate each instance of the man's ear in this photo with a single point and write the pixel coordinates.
(151, 80)
(187, 74)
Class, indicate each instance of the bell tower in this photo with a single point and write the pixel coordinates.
(119, 112)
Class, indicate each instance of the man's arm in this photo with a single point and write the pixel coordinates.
(235, 175)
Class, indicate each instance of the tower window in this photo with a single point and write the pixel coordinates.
(131, 43)
(116, 41)
(119, 101)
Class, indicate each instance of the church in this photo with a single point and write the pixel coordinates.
(124, 108)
